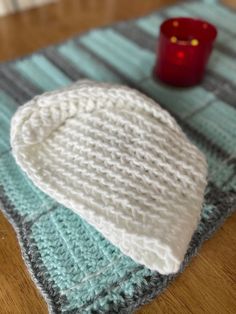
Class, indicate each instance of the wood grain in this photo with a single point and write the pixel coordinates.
(208, 284)
(25, 32)
(18, 294)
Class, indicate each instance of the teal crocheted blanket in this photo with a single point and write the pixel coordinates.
(76, 268)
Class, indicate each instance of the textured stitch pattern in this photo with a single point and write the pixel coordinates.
(118, 160)
(75, 267)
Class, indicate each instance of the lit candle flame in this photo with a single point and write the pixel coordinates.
(175, 23)
(194, 42)
(173, 39)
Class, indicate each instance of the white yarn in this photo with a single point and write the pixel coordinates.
(121, 162)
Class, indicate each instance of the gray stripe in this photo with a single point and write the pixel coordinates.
(7, 86)
(191, 131)
(101, 61)
(225, 50)
(222, 88)
(189, 9)
(23, 83)
(15, 85)
(62, 63)
(138, 35)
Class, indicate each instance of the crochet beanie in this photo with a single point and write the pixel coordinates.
(113, 156)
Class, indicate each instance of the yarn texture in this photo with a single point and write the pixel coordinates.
(122, 163)
(74, 266)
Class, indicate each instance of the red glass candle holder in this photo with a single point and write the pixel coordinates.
(184, 47)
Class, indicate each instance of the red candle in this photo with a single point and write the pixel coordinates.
(184, 47)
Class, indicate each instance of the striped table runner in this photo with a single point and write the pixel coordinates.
(58, 246)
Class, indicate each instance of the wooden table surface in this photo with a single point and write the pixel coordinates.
(208, 285)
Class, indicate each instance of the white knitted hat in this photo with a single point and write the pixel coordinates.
(121, 162)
